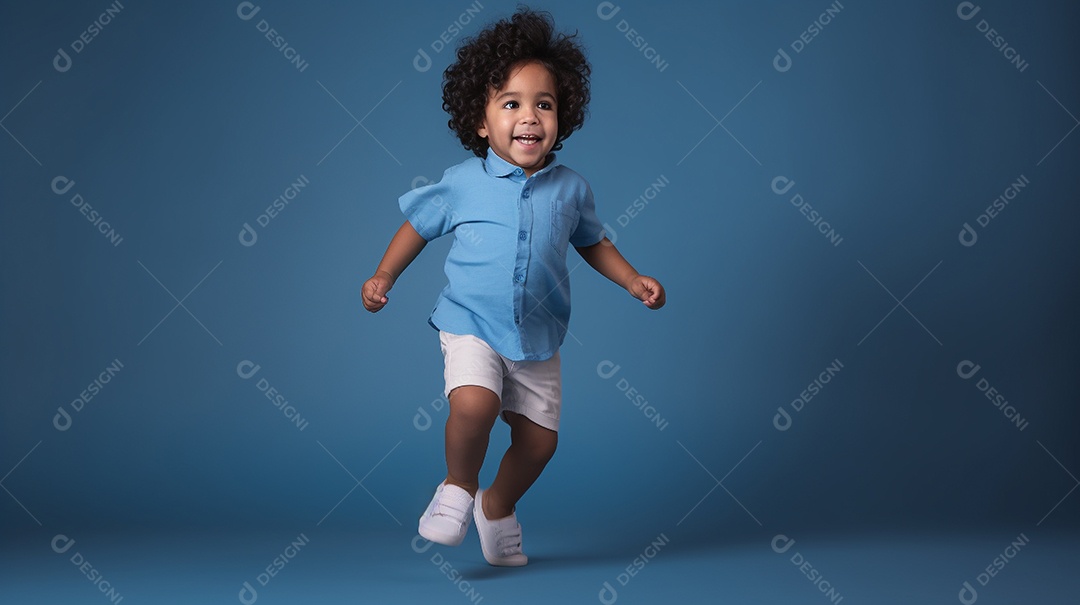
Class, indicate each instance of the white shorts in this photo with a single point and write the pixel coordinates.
(530, 388)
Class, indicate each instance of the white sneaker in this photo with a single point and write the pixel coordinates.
(446, 519)
(499, 539)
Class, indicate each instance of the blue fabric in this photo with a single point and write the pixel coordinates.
(508, 282)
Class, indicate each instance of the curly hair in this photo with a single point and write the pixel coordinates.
(484, 63)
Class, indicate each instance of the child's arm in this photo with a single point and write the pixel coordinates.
(606, 259)
(403, 249)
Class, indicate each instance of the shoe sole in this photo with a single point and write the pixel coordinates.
(441, 538)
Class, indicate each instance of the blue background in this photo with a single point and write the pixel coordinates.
(900, 480)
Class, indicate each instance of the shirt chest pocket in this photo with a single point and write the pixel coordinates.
(564, 221)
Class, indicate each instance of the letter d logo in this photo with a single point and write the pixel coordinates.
(967, 10)
(968, 595)
(422, 420)
(610, 234)
(59, 539)
(247, 10)
(62, 184)
(782, 420)
(606, 369)
(62, 420)
(781, 543)
(246, 369)
(967, 236)
(606, 11)
(248, 236)
(420, 549)
(608, 595)
(781, 62)
(966, 369)
(62, 62)
(787, 185)
(421, 62)
(248, 594)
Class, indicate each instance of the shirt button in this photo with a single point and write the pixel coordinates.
(522, 235)
(519, 278)
(519, 171)
(525, 193)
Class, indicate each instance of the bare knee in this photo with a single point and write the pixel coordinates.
(535, 442)
(541, 450)
(474, 406)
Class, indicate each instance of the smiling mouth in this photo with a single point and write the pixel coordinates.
(527, 139)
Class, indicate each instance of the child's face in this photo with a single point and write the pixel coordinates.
(521, 120)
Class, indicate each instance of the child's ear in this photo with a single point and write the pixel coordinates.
(482, 130)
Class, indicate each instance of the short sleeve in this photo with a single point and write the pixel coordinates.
(430, 208)
(589, 229)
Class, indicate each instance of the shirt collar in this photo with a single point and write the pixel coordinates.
(496, 166)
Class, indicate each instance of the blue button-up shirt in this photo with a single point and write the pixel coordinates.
(508, 282)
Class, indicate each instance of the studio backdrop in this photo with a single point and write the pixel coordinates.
(864, 214)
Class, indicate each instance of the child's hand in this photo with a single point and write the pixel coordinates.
(374, 291)
(648, 291)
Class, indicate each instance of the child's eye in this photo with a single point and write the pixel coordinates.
(510, 105)
(544, 105)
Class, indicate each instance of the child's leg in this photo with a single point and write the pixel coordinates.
(473, 411)
(531, 447)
